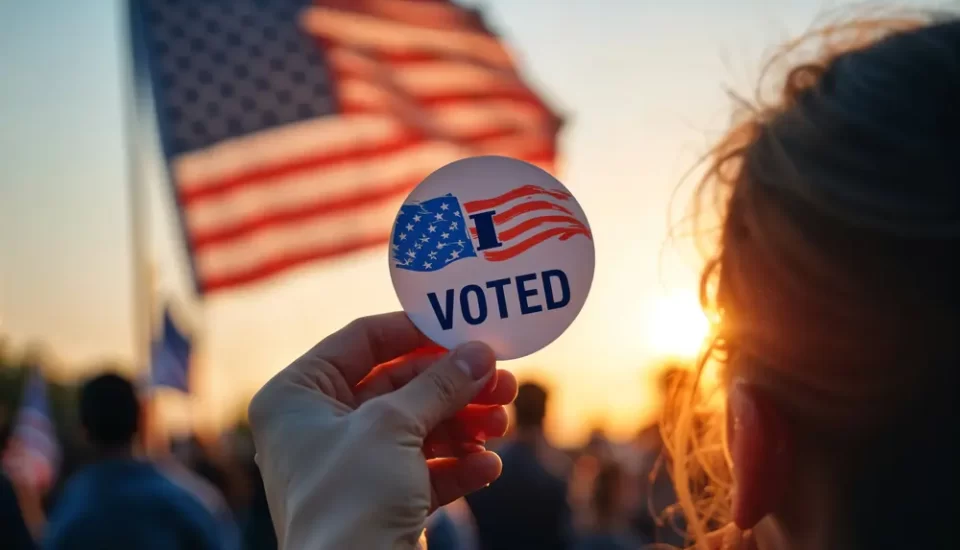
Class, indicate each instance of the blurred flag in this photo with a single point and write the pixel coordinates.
(170, 357)
(293, 129)
(33, 452)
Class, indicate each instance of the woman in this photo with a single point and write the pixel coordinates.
(836, 297)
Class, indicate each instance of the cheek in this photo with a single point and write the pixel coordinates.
(729, 430)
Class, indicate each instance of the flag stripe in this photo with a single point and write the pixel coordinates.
(362, 96)
(495, 141)
(331, 135)
(343, 185)
(458, 120)
(526, 225)
(363, 30)
(564, 233)
(212, 189)
(245, 161)
(359, 214)
(260, 208)
(278, 264)
(437, 15)
(519, 203)
(526, 207)
(518, 193)
(428, 79)
(270, 244)
(264, 219)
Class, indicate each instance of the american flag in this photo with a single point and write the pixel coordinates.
(33, 452)
(432, 234)
(170, 357)
(293, 129)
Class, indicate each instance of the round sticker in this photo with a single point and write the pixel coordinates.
(492, 249)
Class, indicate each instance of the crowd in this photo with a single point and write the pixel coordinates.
(201, 493)
(110, 493)
(603, 496)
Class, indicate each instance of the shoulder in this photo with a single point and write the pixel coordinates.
(75, 495)
(556, 462)
(196, 486)
(173, 494)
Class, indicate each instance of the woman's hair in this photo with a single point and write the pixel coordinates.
(832, 281)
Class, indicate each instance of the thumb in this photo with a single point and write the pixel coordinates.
(447, 386)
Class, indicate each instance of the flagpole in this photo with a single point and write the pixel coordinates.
(138, 210)
(142, 275)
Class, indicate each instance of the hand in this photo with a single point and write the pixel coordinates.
(373, 429)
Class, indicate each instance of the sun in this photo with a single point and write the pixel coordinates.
(677, 325)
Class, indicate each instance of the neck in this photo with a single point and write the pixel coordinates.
(609, 524)
(809, 520)
(115, 453)
(530, 435)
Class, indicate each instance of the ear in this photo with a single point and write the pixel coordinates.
(760, 444)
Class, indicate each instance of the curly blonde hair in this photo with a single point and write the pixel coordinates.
(774, 269)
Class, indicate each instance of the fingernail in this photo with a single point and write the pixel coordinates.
(475, 359)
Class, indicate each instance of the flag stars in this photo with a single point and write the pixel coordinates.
(429, 236)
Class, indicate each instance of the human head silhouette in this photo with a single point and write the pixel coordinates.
(110, 413)
(530, 406)
(838, 300)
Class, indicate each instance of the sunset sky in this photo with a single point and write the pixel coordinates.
(641, 82)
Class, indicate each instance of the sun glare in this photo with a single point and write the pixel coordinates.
(677, 326)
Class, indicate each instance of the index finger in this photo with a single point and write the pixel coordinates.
(367, 342)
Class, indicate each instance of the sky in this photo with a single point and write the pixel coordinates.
(641, 82)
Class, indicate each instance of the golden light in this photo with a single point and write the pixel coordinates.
(677, 326)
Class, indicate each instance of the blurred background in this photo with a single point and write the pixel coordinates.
(145, 229)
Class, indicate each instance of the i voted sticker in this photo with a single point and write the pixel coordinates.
(492, 249)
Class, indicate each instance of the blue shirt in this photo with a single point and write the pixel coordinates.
(127, 504)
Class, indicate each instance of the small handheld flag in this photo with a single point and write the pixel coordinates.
(170, 357)
(33, 453)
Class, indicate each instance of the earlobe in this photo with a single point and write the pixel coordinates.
(759, 441)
